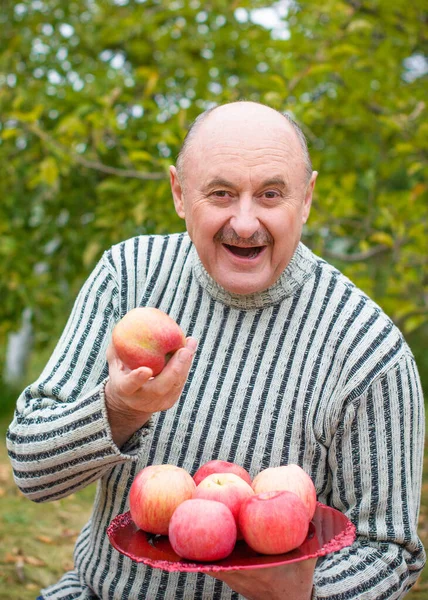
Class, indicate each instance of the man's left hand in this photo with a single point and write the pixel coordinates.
(293, 581)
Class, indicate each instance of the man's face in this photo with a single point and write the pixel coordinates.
(245, 197)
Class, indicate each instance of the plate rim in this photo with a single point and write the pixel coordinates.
(339, 541)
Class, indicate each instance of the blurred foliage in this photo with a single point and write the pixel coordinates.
(96, 96)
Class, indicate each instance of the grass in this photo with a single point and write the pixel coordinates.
(37, 540)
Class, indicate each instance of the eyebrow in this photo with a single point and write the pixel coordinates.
(221, 182)
(274, 181)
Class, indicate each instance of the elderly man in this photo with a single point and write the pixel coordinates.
(286, 361)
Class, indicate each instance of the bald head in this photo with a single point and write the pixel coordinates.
(245, 193)
(252, 116)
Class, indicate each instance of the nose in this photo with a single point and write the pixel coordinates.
(244, 220)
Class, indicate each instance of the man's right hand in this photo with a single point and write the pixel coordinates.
(132, 396)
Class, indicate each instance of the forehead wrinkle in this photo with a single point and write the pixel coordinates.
(273, 157)
(258, 157)
(224, 165)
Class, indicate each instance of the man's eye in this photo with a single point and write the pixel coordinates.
(270, 194)
(220, 194)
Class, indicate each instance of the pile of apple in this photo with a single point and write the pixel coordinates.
(206, 514)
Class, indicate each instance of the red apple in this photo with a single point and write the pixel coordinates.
(274, 522)
(227, 488)
(155, 493)
(220, 466)
(147, 337)
(291, 478)
(202, 530)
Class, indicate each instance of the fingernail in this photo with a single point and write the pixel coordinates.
(191, 344)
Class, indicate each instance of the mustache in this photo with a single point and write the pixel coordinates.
(229, 236)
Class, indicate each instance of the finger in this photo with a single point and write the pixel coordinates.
(191, 344)
(111, 353)
(179, 364)
(176, 374)
(172, 378)
(180, 367)
(114, 360)
(134, 380)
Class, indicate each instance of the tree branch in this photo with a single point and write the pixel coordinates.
(92, 164)
(358, 6)
(357, 256)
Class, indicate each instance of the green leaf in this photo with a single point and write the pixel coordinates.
(381, 237)
(49, 171)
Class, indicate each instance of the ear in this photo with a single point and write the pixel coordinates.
(308, 196)
(177, 192)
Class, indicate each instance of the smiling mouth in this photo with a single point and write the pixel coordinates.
(251, 252)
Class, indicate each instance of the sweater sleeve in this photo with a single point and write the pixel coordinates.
(60, 440)
(376, 463)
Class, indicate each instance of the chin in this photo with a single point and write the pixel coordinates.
(243, 288)
(242, 281)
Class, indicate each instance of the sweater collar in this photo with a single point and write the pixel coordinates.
(300, 268)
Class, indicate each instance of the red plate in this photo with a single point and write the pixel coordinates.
(329, 531)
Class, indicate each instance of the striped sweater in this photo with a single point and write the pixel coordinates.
(310, 371)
